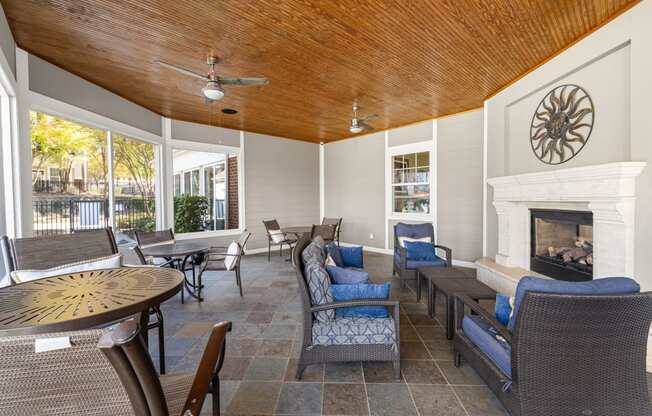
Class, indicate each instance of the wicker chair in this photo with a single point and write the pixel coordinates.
(71, 381)
(406, 269)
(174, 394)
(270, 227)
(317, 354)
(570, 354)
(337, 222)
(216, 260)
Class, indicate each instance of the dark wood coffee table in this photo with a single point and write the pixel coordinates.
(450, 283)
(426, 273)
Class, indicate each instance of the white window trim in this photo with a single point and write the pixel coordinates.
(170, 145)
(424, 146)
(50, 106)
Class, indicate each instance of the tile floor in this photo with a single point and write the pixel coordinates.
(258, 373)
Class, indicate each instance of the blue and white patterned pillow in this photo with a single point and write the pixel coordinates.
(313, 253)
(319, 285)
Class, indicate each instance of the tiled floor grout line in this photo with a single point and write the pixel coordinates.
(366, 393)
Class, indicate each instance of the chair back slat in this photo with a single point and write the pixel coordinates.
(244, 237)
(51, 251)
(598, 342)
(146, 238)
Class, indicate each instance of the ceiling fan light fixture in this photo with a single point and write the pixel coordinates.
(213, 91)
(356, 129)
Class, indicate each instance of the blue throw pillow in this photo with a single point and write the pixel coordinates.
(359, 292)
(503, 309)
(420, 250)
(352, 256)
(342, 276)
(334, 251)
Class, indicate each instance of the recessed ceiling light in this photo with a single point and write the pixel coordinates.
(229, 111)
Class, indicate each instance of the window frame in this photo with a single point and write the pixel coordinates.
(174, 144)
(50, 106)
(412, 148)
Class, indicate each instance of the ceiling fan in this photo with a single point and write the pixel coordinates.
(213, 89)
(359, 124)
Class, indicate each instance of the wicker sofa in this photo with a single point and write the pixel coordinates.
(337, 339)
(563, 354)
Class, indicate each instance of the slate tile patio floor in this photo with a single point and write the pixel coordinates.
(258, 373)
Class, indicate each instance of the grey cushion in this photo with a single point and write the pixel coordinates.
(313, 253)
(319, 285)
(355, 331)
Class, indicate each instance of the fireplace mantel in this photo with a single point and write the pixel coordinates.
(608, 190)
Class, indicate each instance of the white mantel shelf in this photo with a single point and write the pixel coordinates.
(608, 191)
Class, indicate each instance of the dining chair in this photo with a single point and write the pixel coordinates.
(173, 394)
(276, 237)
(46, 252)
(327, 232)
(217, 259)
(151, 238)
(337, 222)
(156, 312)
(244, 237)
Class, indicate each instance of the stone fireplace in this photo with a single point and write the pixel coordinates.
(604, 193)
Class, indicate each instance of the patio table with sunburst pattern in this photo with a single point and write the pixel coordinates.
(84, 300)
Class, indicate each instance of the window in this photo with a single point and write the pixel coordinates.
(177, 184)
(204, 203)
(411, 183)
(76, 192)
(133, 185)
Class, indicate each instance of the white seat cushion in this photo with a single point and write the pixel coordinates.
(231, 255)
(277, 236)
(108, 262)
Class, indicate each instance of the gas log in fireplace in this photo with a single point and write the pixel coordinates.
(562, 244)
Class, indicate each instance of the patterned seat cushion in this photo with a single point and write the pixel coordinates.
(355, 331)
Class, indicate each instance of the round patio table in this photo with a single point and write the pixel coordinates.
(85, 300)
(185, 250)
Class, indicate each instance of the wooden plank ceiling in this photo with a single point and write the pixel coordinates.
(404, 60)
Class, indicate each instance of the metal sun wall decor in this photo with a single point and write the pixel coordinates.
(562, 124)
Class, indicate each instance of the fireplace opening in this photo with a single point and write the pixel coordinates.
(562, 244)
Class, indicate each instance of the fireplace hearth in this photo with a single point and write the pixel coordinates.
(562, 244)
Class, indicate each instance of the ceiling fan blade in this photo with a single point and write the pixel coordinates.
(243, 81)
(365, 125)
(182, 70)
(370, 117)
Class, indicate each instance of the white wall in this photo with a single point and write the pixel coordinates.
(614, 65)
(355, 184)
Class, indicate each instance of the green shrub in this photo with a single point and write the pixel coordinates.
(190, 212)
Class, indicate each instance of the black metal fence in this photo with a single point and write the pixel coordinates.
(64, 216)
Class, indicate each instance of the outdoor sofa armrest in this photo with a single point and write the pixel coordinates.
(402, 256)
(462, 300)
(449, 254)
(353, 303)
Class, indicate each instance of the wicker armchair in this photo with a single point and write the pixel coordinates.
(337, 222)
(219, 259)
(71, 381)
(316, 354)
(570, 354)
(174, 394)
(407, 269)
(271, 226)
